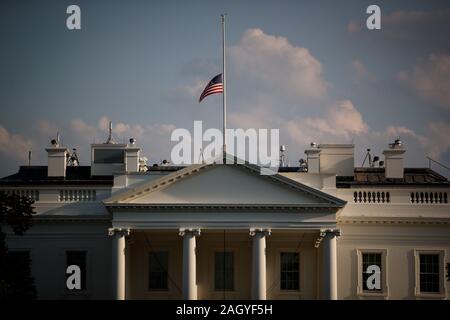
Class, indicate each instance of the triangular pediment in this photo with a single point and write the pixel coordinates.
(218, 184)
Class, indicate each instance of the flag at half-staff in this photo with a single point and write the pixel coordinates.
(214, 86)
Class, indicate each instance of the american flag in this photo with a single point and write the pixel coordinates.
(214, 86)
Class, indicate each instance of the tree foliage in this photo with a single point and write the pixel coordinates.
(15, 268)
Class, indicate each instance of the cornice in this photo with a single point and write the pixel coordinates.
(66, 218)
(387, 221)
(313, 207)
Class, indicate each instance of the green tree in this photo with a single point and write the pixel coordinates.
(15, 269)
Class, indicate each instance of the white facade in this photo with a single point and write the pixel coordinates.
(168, 232)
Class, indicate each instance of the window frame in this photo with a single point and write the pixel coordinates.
(442, 272)
(279, 253)
(277, 289)
(148, 289)
(230, 250)
(360, 292)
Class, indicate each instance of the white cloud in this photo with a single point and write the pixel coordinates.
(46, 127)
(195, 88)
(430, 79)
(394, 132)
(83, 130)
(103, 123)
(360, 71)
(341, 122)
(260, 115)
(439, 141)
(14, 146)
(278, 65)
(154, 139)
(433, 142)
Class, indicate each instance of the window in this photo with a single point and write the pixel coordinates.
(372, 273)
(371, 259)
(77, 258)
(223, 271)
(429, 273)
(109, 156)
(158, 275)
(289, 271)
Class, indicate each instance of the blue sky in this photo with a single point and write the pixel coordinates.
(310, 68)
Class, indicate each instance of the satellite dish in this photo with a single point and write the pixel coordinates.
(132, 141)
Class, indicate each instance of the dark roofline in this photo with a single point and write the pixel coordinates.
(37, 176)
(405, 170)
(410, 179)
(80, 176)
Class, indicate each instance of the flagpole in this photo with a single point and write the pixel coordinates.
(224, 83)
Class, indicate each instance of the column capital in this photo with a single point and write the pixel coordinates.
(327, 232)
(331, 232)
(265, 232)
(121, 232)
(194, 231)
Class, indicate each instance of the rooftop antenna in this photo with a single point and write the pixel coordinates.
(29, 158)
(201, 159)
(72, 160)
(368, 157)
(110, 139)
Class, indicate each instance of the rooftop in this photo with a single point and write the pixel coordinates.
(81, 175)
(376, 176)
(37, 175)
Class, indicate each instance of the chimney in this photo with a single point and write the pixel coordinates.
(132, 157)
(57, 160)
(337, 158)
(331, 158)
(393, 160)
(313, 158)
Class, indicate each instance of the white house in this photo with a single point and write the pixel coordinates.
(223, 231)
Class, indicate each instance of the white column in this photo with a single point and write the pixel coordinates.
(189, 263)
(118, 261)
(259, 263)
(329, 263)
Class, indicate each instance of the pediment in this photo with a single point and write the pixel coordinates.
(218, 184)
